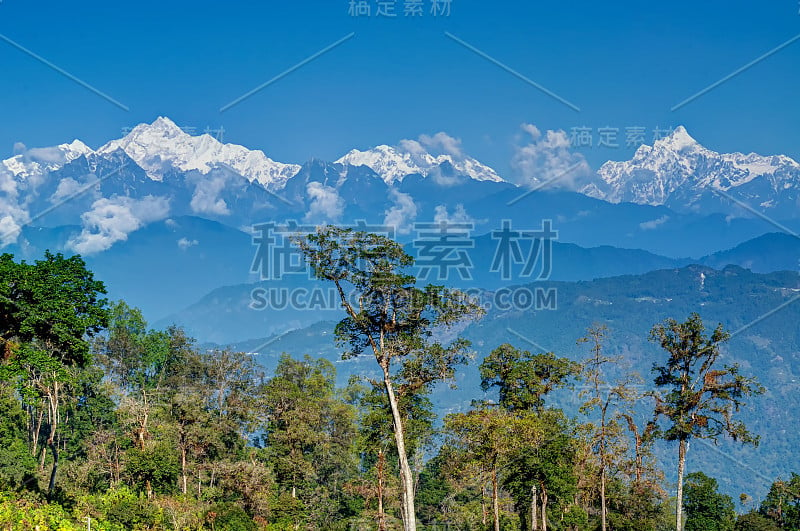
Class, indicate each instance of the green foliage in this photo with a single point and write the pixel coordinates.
(55, 301)
(26, 513)
(700, 397)
(754, 521)
(524, 379)
(162, 435)
(782, 503)
(228, 517)
(707, 509)
(548, 465)
(154, 468)
(309, 437)
(130, 511)
(91, 409)
(16, 463)
(386, 313)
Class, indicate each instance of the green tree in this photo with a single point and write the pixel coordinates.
(309, 434)
(483, 439)
(524, 379)
(608, 403)
(700, 397)
(50, 309)
(539, 474)
(706, 508)
(155, 469)
(782, 503)
(16, 462)
(387, 314)
(755, 521)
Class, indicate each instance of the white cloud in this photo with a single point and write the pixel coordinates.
(10, 229)
(402, 213)
(111, 220)
(8, 185)
(432, 146)
(444, 143)
(12, 215)
(547, 156)
(326, 204)
(205, 199)
(653, 223)
(66, 187)
(441, 179)
(460, 215)
(185, 243)
(413, 147)
(47, 155)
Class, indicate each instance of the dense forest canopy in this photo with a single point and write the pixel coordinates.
(110, 423)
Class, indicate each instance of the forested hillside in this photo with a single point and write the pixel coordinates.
(110, 423)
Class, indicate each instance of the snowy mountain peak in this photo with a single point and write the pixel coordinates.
(677, 140)
(163, 146)
(679, 172)
(386, 161)
(162, 123)
(393, 163)
(75, 149)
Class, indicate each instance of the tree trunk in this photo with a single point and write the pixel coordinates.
(381, 467)
(184, 479)
(603, 493)
(484, 512)
(406, 480)
(681, 466)
(495, 500)
(534, 503)
(36, 431)
(42, 457)
(51, 487)
(544, 508)
(53, 400)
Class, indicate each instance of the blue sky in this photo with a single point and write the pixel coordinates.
(622, 63)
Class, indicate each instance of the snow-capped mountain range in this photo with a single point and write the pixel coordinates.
(162, 146)
(158, 170)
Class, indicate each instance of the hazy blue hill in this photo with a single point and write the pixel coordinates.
(769, 252)
(590, 222)
(166, 265)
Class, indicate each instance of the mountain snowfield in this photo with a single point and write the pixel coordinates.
(395, 163)
(38, 161)
(162, 145)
